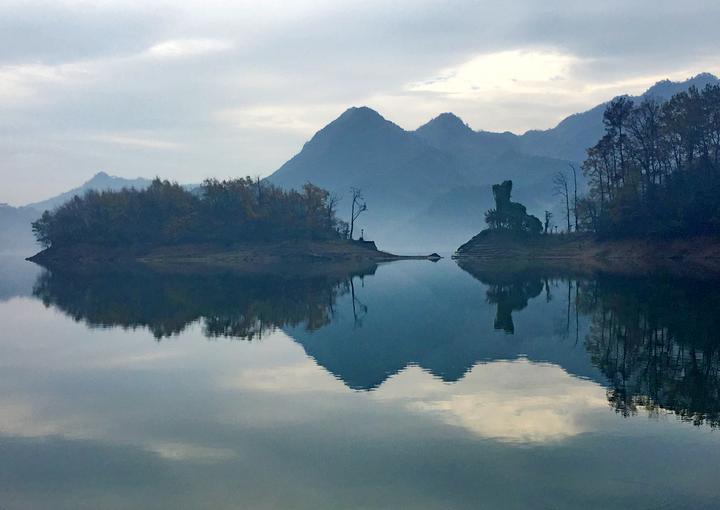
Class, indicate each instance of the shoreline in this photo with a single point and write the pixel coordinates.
(584, 251)
(285, 257)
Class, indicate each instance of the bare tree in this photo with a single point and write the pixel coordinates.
(575, 198)
(560, 188)
(332, 202)
(548, 219)
(358, 207)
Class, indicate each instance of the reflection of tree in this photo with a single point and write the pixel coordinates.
(656, 338)
(228, 305)
(510, 297)
(511, 286)
(658, 343)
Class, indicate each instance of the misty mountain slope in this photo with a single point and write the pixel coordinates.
(15, 229)
(455, 216)
(575, 134)
(99, 182)
(449, 220)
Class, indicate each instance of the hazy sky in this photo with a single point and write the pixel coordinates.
(192, 89)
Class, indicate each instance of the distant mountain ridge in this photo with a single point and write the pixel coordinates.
(101, 181)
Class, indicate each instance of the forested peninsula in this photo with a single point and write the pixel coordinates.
(653, 191)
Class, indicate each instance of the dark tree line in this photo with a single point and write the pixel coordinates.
(656, 170)
(217, 212)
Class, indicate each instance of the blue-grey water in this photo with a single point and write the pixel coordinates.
(410, 385)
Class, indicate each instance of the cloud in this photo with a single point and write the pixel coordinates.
(21, 84)
(144, 142)
(510, 72)
(177, 48)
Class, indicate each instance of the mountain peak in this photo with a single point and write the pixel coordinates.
(361, 113)
(360, 116)
(353, 122)
(451, 119)
(665, 89)
(446, 122)
(99, 178)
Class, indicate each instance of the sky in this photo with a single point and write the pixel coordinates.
(194, 89)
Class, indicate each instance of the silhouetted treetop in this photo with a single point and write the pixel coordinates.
(166, 213)
(656, 171)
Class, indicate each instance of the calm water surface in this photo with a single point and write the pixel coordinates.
(410, 385)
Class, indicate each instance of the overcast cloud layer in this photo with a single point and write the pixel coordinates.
(228, 89)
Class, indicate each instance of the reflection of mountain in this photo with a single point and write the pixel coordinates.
(440, 321)
(228, 305)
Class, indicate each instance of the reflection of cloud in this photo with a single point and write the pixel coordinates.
(186, 451)
(299, 377)
(516, 401)
(29, 419)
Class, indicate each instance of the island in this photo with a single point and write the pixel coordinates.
(242, 224)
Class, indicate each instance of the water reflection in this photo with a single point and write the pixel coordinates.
(384, 388)
(653, 339)
(656, 338)
(227, 304)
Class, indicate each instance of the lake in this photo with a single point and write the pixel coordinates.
(408, 385)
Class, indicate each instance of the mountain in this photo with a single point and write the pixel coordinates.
(99, 182)
(397, 171)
